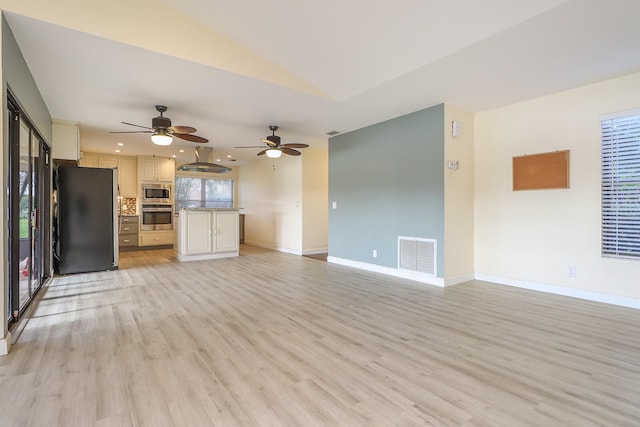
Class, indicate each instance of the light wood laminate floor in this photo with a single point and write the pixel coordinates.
(273, 339)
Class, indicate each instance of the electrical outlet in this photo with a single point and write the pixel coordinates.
(334, 205)
(571, 271)
(375, 253)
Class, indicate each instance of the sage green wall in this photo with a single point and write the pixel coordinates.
(387, 180)
(16, 74)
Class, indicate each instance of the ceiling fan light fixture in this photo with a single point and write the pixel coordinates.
(161, 137)
(273, 153)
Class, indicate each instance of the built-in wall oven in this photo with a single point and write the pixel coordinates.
(157, 216)
(156, 193)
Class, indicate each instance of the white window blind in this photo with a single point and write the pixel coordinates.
(621, 185)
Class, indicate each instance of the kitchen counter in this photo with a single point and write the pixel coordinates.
(204, 233)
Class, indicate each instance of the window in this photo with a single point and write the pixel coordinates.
(621, 184)
(192, 192)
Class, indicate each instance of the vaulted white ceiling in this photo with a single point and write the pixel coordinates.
(231, 69)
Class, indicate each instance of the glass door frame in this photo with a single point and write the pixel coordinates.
(39, 218)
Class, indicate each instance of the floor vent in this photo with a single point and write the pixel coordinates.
(416, 254)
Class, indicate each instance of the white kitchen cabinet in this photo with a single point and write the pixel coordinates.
(147, 168)
(107, 162)
(156, 169)
(127, 179)
(166, 169)
(66, 140)
(197, 232)
(156, 238)
(89, 161)
(207, 234)
(225, 231)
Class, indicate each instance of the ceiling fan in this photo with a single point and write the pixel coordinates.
(162, 132)
(273, 148)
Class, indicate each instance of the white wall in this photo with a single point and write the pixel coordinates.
(270, 194)
(458, 197)
(315, 200)
(531, 237)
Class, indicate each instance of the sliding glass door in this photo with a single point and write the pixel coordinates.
(29, 211)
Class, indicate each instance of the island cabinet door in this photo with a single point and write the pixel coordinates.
(226, 231)
(196, 232)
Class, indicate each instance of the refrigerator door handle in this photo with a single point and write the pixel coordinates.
(116, 224)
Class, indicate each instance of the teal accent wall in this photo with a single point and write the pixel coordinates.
(388, 181)
(17, 76)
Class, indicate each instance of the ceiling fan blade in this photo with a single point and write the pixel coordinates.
(135, 131)
(251, 146)
(131, 124)
(181, 129)
(290, 151)
(270, 143)
(262, 152)
(295, 145)
(189, 137)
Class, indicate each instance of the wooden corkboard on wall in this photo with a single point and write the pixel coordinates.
(541, 171)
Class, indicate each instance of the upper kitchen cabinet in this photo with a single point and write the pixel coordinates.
(66, 140)
(107, 162)
(92, 160)
(89, 160)
(127, 179)
(156, 169)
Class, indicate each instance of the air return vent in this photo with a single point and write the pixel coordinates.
(417, 254)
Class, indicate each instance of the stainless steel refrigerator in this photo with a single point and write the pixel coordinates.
(86, 219)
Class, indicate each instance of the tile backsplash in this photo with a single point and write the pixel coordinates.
(127, 206)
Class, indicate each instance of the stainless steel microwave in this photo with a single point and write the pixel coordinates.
(156, 193)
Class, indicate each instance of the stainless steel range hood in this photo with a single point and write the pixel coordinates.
(204, 162)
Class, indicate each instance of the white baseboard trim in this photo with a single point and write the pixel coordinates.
(418, 277)
(623, 301)
(274, 248)
(202, 257)
(5, 344)
(287, 250)
(315, 251)
(456, 280)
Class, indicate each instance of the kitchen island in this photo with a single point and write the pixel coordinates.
(207, 234)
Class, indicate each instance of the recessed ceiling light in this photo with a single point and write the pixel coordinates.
(120, 144)
(229, 156)
(333, 132)
(173, 155)
(117, 151)
(182, 151)
(218, 160)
